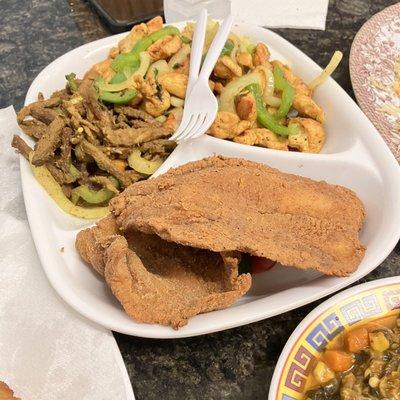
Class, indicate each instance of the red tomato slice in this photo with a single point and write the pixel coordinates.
(260, 264)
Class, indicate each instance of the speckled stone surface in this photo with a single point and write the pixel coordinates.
(235, 364)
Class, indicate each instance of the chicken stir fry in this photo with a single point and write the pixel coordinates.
(262, 102)
(265, 96)
(111, 128)
(362, 364)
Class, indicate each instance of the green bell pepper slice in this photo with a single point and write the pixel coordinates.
(76, 174)
(120, 76)
(131, 59)
(115, 181)
(125, 61)
(122, 97)
(265, 118)
(185, 39)
(90, 196)
(227, 49)
(147, 41)
(287, 93)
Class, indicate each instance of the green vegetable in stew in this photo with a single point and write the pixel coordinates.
(361, 364)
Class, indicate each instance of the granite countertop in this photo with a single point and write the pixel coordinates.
(235, 364)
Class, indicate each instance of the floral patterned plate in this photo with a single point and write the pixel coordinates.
(346, 309)
(374, 71)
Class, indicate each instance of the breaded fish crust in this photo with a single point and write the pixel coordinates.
(226, 204)
(161, 282)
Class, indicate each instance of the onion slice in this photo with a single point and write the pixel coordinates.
(328, 71)
(228, 93)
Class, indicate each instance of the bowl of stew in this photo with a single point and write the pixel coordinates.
(348, 348)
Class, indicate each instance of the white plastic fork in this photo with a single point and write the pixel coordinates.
(201, 105)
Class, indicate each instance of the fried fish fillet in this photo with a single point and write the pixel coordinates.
(161, 282)
(91, 243)
(226, 204)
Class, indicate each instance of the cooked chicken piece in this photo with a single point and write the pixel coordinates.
(218, 87)
(261, 55)
(262, 137)
(251, 208)
(228, 125)
(311, 136)
(136, 100)
(297, 83)
(155, 24)
(155, 105)
(246, 107)
(307, 107)
(125, 45)
(188, 31)
(102, 68)
(183, 67)
(156, 98)
(114, 51)
(245, 60)
(158, 281)
(174, 83)
(173, 120)
(165, 47)
(226, 68)
(211, 85)
(6, 393)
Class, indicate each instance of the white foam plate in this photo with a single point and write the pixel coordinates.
(354, 156)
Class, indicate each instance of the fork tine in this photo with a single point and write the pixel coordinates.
(182, 126)
(197, 49)
(215, 48)
(209, 119)
(194, 129)
(189, 127)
